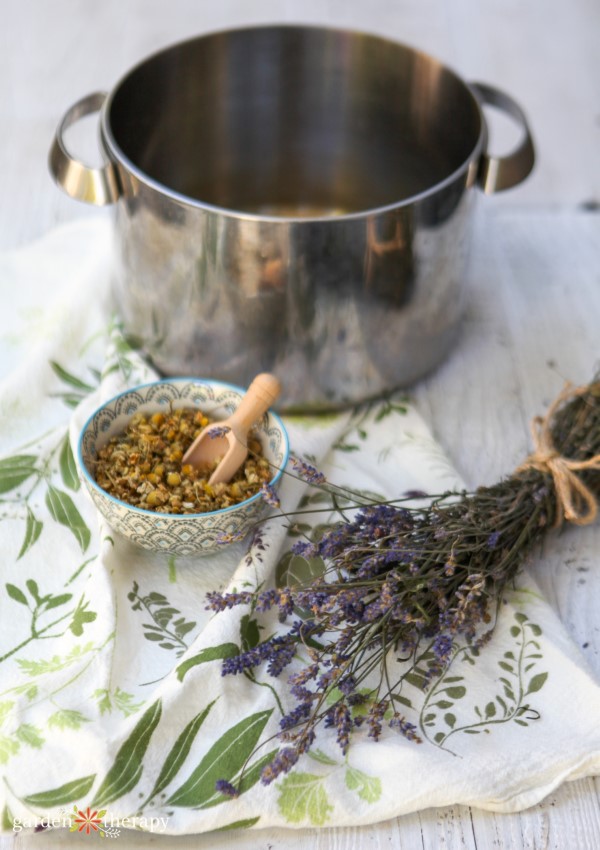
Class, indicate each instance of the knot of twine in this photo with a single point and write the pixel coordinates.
(575, 501)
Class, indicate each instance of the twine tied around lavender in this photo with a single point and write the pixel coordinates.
(575, 501)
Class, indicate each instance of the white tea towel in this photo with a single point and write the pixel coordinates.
(111, 694)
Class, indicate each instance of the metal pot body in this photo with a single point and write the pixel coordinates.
(295, 200)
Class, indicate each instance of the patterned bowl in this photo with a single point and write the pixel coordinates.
(182, 534)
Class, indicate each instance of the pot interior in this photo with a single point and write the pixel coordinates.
(293, 121)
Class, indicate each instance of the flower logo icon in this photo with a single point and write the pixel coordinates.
(88, 821)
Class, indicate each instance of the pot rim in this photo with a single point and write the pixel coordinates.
(117, 156)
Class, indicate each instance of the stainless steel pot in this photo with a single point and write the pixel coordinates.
(295, 200)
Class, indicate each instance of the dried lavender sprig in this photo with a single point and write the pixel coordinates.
(216, 431)
(410, 581)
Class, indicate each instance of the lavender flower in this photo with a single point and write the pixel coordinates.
(308, 472)
(282, 653)
(342, 720)
(218, 431)
(226, 788)
(409, 730)
(304, 675)
(242, 662)
(492, 540)
(278, 651)
(222, 601)
(347, 685)
(282, 763)
(306, 549)
(223, 538)
(268, 493)
(375, 718)
(442, 648)
(297, 715)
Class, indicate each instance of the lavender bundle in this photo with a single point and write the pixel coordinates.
(404, 584)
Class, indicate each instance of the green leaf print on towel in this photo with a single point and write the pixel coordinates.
(246, 823)
(224, 760)
(62, 509)
(447, 711)
(43, 470)
(39, 606)
(118, 699)
(127, 766)
(67, 466)
(66, 718)
(15, 470)
(70, 792)
(12, 736)
(211, 653)
(178, 753)
(362, 417)
(33, 529)
(367, 787)
(302, 797)
(77, 388)
(169, 627)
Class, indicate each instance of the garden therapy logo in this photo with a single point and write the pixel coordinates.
(106, 826)
(91, 821)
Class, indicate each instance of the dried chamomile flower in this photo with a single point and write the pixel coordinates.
(143, 466)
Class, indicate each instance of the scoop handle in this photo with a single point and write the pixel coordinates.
(261, 394)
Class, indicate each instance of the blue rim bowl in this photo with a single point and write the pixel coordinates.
(181, 534)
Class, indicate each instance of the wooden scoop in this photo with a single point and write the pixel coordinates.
(228, 439)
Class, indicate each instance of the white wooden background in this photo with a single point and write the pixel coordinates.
(534, 314)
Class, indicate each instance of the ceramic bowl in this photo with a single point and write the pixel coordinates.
(181, 534)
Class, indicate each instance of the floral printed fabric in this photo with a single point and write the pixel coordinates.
(111, 693)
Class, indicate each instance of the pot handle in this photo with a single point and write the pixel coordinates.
(97, 186)
(501, 172)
